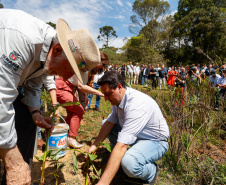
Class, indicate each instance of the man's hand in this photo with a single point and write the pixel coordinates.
(91, 150)
(18, 171)
(101, 94)
(41, 121)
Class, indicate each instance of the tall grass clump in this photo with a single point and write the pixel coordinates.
(196, 130)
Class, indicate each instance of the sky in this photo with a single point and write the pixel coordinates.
(90, 14)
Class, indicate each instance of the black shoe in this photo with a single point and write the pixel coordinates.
(97, 109)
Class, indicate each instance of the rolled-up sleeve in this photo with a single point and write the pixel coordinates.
(48, 82)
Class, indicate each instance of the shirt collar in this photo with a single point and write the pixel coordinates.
(125, 97)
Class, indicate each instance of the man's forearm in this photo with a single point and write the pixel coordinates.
(113, 163)
(53, 96)
(104, 132)
(89, 90)
(10, 154)
(18, 171)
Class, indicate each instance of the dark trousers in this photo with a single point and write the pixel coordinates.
(154, 82)
(222, 93)
(26, 132)
(157, 81)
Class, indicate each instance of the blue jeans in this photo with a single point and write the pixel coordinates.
(144, 80)
(97, 97)
(139, 159)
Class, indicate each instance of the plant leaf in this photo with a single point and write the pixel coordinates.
(48, 154)
(108, 146)
(54, 153)
(94, 177)
(92, 156)
(60, 165)
(128, 85)
(75, 163)
(99, 173)
(40, 159)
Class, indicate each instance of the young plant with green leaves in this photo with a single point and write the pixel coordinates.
(52, 154)
(49, 153)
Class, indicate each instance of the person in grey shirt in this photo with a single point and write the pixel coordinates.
(135, 120)
(30, 50)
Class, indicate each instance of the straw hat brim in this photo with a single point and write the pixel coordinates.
(62, 31)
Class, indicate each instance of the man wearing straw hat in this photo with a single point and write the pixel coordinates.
(29, 51)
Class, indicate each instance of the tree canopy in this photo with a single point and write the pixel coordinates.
(52, 24)
(200, 24)
(1, 5)
(148, 14)
(107, 34)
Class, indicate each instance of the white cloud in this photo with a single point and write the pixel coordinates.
(83, 14)
(121, 17)
(172, 13)
(88, 14)
(125, 25)
(129, 4)
(165, 16)
(119, 2)
(117, 43)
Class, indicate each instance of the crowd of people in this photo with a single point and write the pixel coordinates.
(167, 77)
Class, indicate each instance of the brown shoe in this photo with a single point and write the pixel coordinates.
(41, 143)
(97, 109)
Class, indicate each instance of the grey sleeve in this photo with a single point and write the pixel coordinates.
(32, 92)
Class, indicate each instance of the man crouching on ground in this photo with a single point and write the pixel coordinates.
(135, 120)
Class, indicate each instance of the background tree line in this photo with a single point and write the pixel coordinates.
(195, 34)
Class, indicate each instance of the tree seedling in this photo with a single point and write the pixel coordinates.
(52, 154)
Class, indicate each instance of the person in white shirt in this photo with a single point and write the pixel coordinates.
(222, 86)
(157, 74)
(130, 72)
(136, 73)
(213, 80)
(137, 121)
(31, 50)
